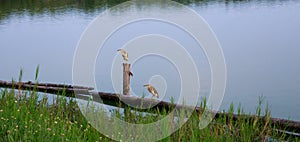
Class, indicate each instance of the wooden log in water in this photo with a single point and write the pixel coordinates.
(126, 79)
(10, 83)
(58, 85)
(126, 84)
(118, 100)
(45, 87)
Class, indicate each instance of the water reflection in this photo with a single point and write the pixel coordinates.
(10, 8)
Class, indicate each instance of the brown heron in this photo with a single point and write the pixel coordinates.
(151, 90)
(124, 54)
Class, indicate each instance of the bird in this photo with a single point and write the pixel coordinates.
(124, 54)
(151, 90)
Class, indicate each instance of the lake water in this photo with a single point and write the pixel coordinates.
(260, 41)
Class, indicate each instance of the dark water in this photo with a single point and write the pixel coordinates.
(260, 40)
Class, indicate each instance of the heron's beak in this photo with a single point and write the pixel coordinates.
(145, 85)
(118, 50)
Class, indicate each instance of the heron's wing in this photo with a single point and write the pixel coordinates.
(154, 91)
(124, 52)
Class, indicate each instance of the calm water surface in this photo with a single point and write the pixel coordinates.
(260, 41)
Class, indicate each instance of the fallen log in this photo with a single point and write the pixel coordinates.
(57, 85)
(45, 87)
(136, 103)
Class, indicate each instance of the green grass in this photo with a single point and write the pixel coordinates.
(29, 119)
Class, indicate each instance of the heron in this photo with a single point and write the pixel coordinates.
(124, 54)
(151, 90)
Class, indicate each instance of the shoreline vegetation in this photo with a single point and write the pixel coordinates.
(26, 116)
(137, 103)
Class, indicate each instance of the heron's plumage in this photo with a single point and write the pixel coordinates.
(152, 90)
(124, 54)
